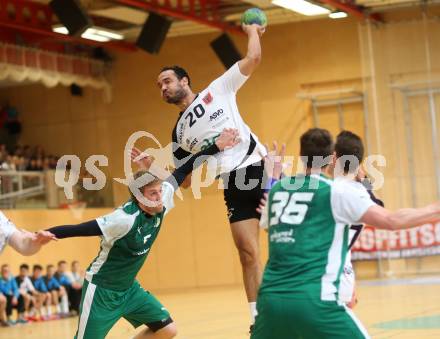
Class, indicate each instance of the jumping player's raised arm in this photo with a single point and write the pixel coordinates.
(236, 76)
(253, 56)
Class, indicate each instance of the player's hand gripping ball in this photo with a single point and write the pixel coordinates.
(254, 16)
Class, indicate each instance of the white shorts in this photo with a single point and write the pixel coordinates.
(347, 280)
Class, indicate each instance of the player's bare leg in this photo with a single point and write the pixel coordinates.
(48, 304)
(246, 238)
(27, 301)
(168, 332)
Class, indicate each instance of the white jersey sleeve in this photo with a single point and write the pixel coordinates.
(167, 196)
(230, 81)
(7, 228)
(116, 224)
(349, 202)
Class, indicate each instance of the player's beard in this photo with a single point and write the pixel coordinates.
(178, 96)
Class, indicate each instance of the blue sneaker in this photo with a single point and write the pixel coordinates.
(22, 321)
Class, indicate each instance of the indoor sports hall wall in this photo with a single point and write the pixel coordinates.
(195, 247)
(401, 72)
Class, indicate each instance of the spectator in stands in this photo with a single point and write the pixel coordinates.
(46, 163)
(3, 152)
(53, 160)
(32, 166)
(76, 278)
(57, 291)
(64, 281)
(9, 288)
(26, 158)
(7, 164)
(40, 286)
(27, 292)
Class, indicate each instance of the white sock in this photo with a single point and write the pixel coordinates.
(64, 304)
(253, 311)
(58, 307)
(48, 311)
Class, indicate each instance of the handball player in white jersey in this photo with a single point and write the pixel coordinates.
(23, 242)
(350, 144)
(202, 117)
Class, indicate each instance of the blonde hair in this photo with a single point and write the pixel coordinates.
(149, 179)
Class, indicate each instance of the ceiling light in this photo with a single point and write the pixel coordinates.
(60, 29)
(91, 34)
(95, 33)
(109, 34)
(302, 7)
(337, 15)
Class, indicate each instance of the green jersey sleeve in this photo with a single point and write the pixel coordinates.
(116, 224)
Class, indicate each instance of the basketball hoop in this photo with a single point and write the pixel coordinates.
(77, 209)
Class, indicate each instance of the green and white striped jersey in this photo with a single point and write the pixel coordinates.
(128, 234)
(308, 219)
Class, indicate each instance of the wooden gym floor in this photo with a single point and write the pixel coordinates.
(404, 309)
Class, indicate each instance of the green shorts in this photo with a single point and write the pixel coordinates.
(287, 318)
(101, 308)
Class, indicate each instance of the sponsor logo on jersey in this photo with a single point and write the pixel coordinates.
(220, 123)
(142, 252)
(282, 237)
(208, 98)
(216, 115)
(180, 133)
(193, 143)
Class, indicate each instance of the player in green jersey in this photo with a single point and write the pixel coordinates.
(308, 218)
(110, 290)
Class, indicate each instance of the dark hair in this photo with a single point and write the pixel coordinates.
(37, 267)
(148, 180)
(4, 265)
(49, 266)
(316, 142)
(62, 262)
(25, 266)
(349, 144)
(179, 71)
(74, 262)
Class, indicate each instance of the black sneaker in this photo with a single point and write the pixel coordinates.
(251, 328)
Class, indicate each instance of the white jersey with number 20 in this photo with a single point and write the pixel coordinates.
(214, 109)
